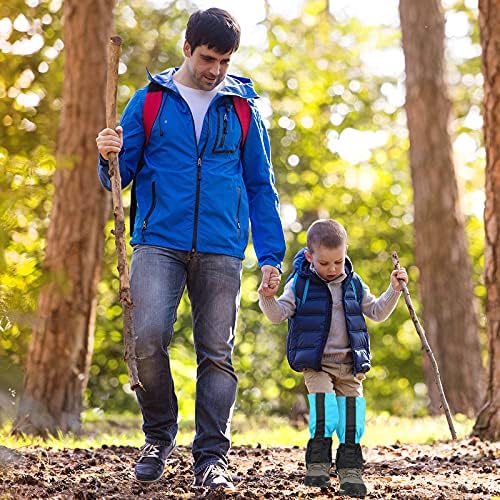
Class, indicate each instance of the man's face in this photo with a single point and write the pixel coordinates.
(206, 67)
(328, 262)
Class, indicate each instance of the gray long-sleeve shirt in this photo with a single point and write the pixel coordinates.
(377, 309)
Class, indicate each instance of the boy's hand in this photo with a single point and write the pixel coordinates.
(396, 275)
(271, 279)
(109, 141)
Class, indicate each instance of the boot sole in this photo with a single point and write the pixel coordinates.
(321, 482)
(354, 490)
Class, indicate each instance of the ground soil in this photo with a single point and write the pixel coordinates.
(468, 469)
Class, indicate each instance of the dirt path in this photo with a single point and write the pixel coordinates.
(468, 469)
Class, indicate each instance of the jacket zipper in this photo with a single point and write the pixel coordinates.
(198, 179)
(238, 211)
(150, 211)
(163, 99)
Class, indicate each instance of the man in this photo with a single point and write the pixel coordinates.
(197, 185)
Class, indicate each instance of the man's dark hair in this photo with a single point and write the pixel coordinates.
(326, 232)
(215, 28)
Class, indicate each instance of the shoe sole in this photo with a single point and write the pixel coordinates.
(148, 481)
(227, 490)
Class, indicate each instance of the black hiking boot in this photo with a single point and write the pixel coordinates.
(349, 465)
(351, 483)
(318, 475)
(318, 462)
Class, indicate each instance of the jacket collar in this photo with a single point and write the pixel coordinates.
(235, 85)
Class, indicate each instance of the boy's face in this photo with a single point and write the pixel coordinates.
(328, 262)
(206, 67)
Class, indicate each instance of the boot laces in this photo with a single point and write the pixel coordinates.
(351, 474)
(317, 467)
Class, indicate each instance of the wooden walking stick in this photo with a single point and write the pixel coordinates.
(119, 231)
(426, 347)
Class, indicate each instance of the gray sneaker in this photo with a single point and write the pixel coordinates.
(351, 483)
(318, 475)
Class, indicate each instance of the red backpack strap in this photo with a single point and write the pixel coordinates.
(244, 114)
(150, 110)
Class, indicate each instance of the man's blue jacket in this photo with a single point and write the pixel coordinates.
(200, 197)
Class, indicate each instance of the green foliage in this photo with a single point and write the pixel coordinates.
(339, 147)
(320, 95)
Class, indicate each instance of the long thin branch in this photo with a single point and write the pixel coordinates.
(119, 231)
(426, 346)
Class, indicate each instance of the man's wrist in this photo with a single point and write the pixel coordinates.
(276, 266)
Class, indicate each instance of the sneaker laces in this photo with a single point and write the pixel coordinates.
(150, 451)
(215, 470)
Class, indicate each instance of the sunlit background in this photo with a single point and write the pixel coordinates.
(332, 96)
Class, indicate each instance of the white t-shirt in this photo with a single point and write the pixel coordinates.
(198, 101)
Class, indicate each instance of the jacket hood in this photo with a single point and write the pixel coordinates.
(302, 265)
(235, 85)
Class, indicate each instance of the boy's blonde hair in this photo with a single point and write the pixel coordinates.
(326, 232)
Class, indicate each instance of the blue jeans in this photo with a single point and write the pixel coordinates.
(158, 278)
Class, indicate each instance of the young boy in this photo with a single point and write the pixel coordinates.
(325, 302)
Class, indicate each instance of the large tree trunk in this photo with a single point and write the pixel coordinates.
(488, 422)
(449, 314)
(61, 347)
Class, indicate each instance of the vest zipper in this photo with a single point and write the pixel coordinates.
(150, 211)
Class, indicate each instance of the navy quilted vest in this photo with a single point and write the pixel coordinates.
(309, 327)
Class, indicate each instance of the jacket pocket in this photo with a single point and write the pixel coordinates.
(225, 141)
(150, 211)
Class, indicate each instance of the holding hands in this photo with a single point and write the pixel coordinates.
(396, 275)
(109, 141)
(271, 278)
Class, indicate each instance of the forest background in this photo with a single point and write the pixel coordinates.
(333, 91)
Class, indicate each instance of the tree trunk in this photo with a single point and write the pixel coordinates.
(61, 347)
(448, 300)
(488, 422)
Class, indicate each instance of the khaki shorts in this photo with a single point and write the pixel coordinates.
(334, 377)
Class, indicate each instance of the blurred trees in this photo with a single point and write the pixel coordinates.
(440, 244)
(61, 347)
(339, 151)
(339, 144)
(488, 422)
